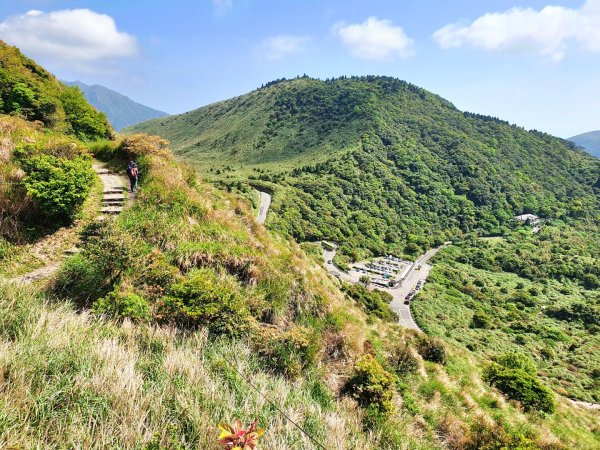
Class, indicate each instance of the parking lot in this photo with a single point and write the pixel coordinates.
(385, 271)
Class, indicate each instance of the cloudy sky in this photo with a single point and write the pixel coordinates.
(534, 63)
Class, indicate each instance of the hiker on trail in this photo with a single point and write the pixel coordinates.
(132, 173)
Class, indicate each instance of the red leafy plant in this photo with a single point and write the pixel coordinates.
(237, 438)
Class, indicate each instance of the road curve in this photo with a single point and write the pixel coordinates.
(263, 208)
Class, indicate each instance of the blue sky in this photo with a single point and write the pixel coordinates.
(534, 63)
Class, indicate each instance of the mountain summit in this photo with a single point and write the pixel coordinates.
(120, 109)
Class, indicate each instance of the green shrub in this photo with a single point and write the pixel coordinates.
(206, 299)
(123, 305)
(432, 349)
(104, 149)
(81, 280)
(86, 122)
(58, 185)
(288, 351)
(513, 360)
(372, 387)
(107, 255)
(374, 302)
(403, 360)
(519, 385)
(481, 320)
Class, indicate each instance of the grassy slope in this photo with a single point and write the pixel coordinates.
(40, 241)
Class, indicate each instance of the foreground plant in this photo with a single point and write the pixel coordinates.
(237, 438)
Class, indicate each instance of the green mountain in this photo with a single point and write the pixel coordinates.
(120, 110)
(379, 164)
(589, 141)
(29, 91)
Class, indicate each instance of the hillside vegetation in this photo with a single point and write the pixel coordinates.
(29, 91)
(154, 328)
(538, 292)
(380, 165)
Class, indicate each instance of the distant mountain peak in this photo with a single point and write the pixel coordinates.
(590, 141)
(120, 109)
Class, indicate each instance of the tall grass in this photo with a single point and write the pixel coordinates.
(68, 380)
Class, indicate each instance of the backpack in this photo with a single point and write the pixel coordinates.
(134, 172)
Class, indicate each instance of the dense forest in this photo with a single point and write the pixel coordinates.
(381, 165)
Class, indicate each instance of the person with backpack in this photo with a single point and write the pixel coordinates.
(133, 173)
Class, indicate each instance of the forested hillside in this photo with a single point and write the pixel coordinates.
(379, 164)
(29, 91)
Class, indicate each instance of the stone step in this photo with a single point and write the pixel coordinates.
(114, 192)
(112, 204)
(111, 210)
(72, 251)
(117, 196)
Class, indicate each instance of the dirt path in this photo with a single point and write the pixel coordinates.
(418, 273)
(113, 200)
(263, 209)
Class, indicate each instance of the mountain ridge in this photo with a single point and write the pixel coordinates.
(120, 109)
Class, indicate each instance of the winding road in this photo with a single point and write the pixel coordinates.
(263, 208)
(418, 272)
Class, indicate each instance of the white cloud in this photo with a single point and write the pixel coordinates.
(375, 39)
(75, 38)
(547, 32)
(278, 47)
(222, 6)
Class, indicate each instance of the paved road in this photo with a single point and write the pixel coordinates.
(263, 209)
(412, 277)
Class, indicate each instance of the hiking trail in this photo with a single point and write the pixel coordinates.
(115, 197)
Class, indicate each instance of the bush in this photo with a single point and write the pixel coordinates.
(513, 360)
(107, 255)
(481, 320)
(433, 349)
(519, 385)
(58, 185)
(206, 299)
(288, 351)
(372, 387)
(123, 304)
(81, 280)
(138, 145)
(374, 302)
(403, 360)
